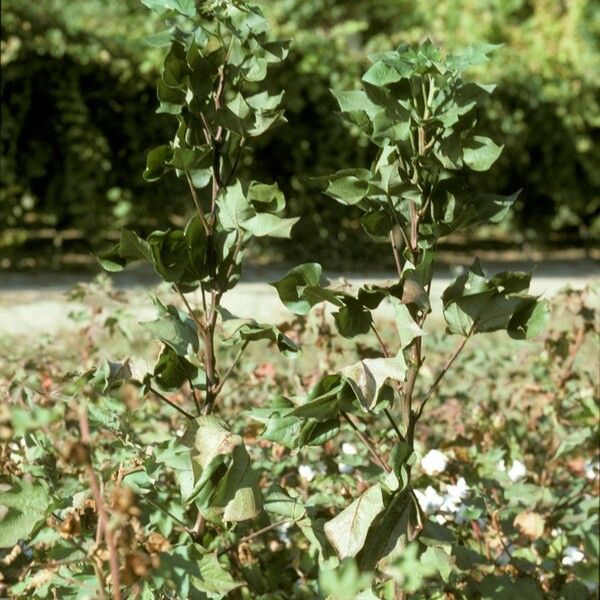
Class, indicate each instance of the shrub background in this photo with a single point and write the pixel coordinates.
(78, 106)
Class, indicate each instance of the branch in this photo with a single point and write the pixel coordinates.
(376, 456)
(197, 202)
(103, 528)
(441, 374)
(236, 360)
(189, 308)
(184, 412)
(253, 535)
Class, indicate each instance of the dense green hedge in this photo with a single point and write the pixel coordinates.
(78, 110)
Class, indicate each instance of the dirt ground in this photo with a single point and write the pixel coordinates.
(36, 304)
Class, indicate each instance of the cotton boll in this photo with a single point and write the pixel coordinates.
(572, 556)
(517, 471)
(454, 496)
(429, 500)
(434, 462)
(345, 469)
(591, 469)
(306, 472)
(349, 448)
(282, 533)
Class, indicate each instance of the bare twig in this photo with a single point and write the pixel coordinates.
(184, 412)
(197, 202)
(189, 308)
(441, 374)
(253, 535)
(234, 363)
(376, 456)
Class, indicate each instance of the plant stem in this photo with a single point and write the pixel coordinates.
(231, 367)
(197, 202)
(189, 308)
(376, 456)
(184, 412)
(103, 524)
(441, 374)
(385, 410)
(253, 535)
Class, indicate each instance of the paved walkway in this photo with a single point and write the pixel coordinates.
(33, 305)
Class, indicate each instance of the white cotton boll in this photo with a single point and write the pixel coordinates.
(501, 466)
(306, 472)
(434, 462)
(517, 471)
(282, 533)
(430, 500)
(572, 556)
(460, 490)
(557, 531)
(454, 496)
(348, 448)
(440, 519)
(592, 469)
(345, 469)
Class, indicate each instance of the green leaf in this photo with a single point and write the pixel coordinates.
(346, 583)
(480, 153)
(185, 7)
(302, 287)
(130, 248)
(353, 318)
(225, 485)
(369, 375)
(157, 162)
(278, 502)
(347, 531)
(266, 198)
(187, 159)
(470, 56)
(171, 100)
(350, 186)
(24, 507)
(175, 329)
(398, 526)
(171, 371)
(408, 329)
(356, 101)
(473, 304)
(214, 579)
(266, 224)
(439, 559)
(234, 207)
(236, 330)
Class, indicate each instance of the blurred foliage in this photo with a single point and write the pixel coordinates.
(78, 116)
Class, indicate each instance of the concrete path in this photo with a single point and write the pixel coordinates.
(33, 305)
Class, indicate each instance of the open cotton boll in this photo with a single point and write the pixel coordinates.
(572, 555)
(345, 469)
(517, 471)
(282, 532)
(454, 496)
(434, 462)
(429, 500)
(348, 448)
(591, 469)
(306, 472)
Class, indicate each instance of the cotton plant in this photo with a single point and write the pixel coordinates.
(421, 117)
